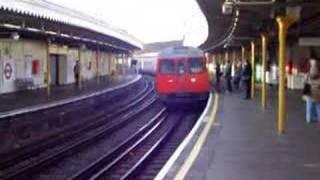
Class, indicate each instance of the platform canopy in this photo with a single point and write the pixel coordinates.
(252, 19)
(38, 18)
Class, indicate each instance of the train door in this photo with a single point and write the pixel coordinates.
(181, 75)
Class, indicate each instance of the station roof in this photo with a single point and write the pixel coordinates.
(158, 46)
(52, 19)
(181, 51)
(251, 20)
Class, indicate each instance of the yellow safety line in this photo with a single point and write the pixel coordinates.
(197, 147)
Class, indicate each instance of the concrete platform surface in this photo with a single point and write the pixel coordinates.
(36, 98)
(245, 145)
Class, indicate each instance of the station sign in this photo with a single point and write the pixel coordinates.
(8, 70)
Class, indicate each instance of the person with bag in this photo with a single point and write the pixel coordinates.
(311, 91)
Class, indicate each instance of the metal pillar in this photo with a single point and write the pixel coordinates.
(80, 67)
(253, 69)
(98, 63)
(226, 56)
(264, 65)
(243, 51)
(110, 64)
(284, 23)
(48, 77)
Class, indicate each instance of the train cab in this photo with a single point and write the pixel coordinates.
(181, 75)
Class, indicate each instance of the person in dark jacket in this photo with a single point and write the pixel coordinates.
(246, 78)
(218, 75)
(76, 71)
(237, 76)
(228, 76)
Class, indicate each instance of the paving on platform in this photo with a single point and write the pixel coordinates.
(243, 143)
(38, 97)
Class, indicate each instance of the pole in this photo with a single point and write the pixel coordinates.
(48, 70)
(226, 56)
(284, 23)
(264, 65)
(243, 53)
(253, 69)
(98, 63)
(80, 67)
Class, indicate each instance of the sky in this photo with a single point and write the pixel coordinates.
(149, 20)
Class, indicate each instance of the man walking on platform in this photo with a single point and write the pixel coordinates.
(76, 71)
(228, 76)
(246, 79)
(218, 74)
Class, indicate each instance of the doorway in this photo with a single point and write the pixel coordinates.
(54, 69)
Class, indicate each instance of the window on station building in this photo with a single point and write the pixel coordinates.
(196, 65)
(166, 66)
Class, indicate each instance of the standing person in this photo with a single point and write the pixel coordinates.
(76, 71)
(218, 74)
(313, 96)
(246, 78)
(237, 76)
(228, 76)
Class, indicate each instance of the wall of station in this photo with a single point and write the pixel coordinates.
(23, 64)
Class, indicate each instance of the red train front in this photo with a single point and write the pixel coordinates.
(181, 75)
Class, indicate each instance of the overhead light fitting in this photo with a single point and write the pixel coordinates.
(15, 36)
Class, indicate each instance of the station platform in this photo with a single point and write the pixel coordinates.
(243, 143)
(32, 99)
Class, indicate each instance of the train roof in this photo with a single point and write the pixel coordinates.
(181, 51)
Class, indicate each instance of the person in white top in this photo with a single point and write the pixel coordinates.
(313, 97)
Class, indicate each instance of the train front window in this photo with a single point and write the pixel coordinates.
(166, 66)
(180, 68)
(196, 65)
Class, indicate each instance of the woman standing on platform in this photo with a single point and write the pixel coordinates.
(312, 88)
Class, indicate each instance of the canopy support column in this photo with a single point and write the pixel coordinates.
(284, 23)
(253, 69)
(264, 64)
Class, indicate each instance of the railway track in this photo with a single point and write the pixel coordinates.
(137, 155)
(11, 158)
(126, 159)
(36, 165)
(61, 118)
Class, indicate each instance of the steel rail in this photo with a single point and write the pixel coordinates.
(113, 155)
(148, 154)
(101, 173)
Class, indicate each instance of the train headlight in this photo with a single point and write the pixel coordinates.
(170, 81)
(193, 80)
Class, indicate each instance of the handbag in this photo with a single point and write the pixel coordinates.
(306, 89)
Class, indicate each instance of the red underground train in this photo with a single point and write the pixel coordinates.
(181, 75)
